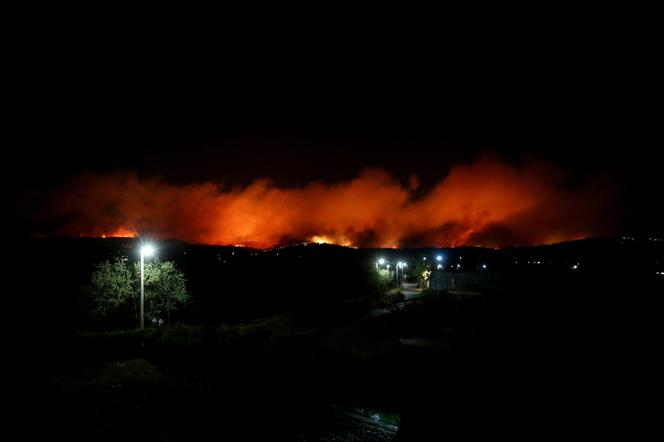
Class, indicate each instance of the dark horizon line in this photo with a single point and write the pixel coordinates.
(306, 244)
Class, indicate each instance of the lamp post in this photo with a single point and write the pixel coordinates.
(146, 250)
(400, 265)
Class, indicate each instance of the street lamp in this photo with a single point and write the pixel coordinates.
(146, 250)
(400, 265)
(381, 261)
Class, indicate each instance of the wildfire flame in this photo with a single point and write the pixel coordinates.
(323, 239)
(488, 203)
(120, 232)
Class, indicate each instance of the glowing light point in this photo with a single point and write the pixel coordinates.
(439, 258)
(147, 250)
(381, 261)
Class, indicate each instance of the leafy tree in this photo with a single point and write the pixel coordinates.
(421, 272)
(112, 286)
(115, 287)
(378, 283)
(165, 288)
(383, 279)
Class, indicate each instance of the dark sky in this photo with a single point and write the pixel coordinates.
(294, 136)
(306, 116)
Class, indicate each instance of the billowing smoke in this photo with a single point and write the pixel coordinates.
(487, 203)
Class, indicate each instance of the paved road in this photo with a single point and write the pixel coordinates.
(410, 291)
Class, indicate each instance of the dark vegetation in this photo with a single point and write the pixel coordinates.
(284, 347)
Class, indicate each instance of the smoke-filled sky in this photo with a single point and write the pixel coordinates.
(394, 182)
(486, 202)
(375, 143)
(385, 162)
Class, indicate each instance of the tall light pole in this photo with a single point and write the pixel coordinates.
(400, 265)
(146, 250)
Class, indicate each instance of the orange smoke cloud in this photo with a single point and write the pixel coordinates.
(487, 203)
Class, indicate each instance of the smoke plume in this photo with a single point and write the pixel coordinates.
(487, 203)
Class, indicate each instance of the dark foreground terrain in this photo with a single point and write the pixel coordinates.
(566, 354)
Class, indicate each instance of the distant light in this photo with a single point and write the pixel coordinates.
(575, 266)
(424, 259)
(439, 258)
(484, 266)
(381, 261)
(440, 266)
(388, 266)
(147, 250)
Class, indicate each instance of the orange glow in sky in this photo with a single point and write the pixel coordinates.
(488, 203)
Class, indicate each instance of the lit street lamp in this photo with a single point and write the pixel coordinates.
(146, 250)
(400, 265)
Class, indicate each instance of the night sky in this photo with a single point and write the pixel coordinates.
(298, 119)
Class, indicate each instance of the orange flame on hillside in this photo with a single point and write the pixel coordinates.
(488, 203)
